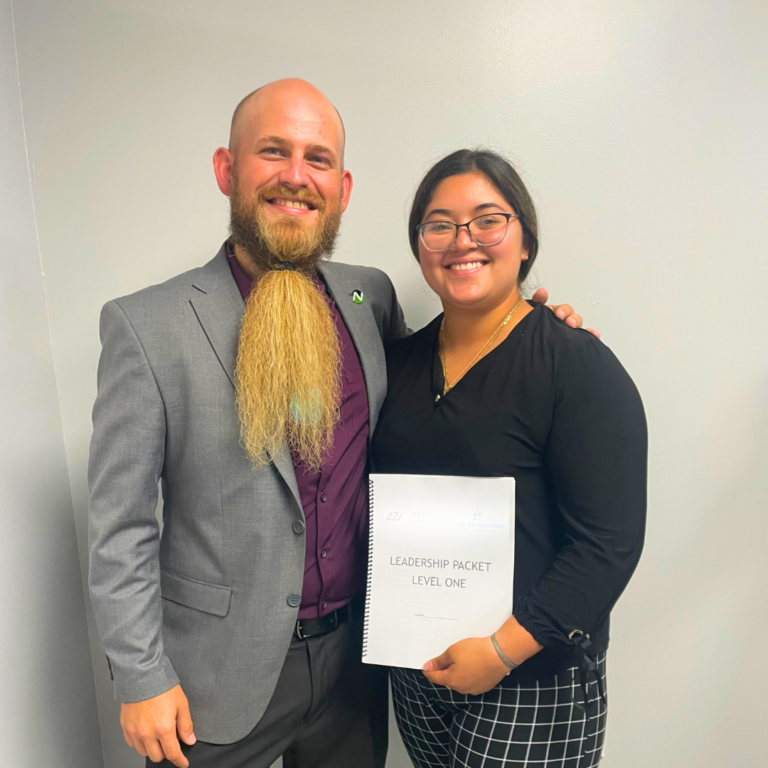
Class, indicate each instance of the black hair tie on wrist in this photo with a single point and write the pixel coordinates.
(290, 266)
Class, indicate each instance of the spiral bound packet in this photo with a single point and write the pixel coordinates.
(371, 491)
(440, 564)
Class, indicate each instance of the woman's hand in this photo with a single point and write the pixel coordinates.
(473, 666)
(469, 666)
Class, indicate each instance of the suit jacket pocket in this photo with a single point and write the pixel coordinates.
(200, 595)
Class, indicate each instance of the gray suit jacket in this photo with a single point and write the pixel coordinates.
(212, 602)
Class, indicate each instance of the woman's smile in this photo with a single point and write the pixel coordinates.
(464, 268)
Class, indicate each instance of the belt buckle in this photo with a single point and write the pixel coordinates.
(298, 630)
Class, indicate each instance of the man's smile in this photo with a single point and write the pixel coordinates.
(291, 206)
(284, 202)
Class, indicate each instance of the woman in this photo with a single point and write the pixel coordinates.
(498, 387)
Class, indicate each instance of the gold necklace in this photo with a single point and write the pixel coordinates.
(494, 336)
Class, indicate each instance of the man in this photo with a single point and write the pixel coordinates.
(235, 637)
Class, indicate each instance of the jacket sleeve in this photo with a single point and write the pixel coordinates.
(597, 460)
(397, 325)
(126, 460)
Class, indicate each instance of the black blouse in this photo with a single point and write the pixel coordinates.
(552, 407)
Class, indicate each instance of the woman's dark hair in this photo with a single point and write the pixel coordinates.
(501, 174)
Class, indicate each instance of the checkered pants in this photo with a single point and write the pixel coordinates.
(543, 725)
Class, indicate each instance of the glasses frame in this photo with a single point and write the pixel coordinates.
(420, 230)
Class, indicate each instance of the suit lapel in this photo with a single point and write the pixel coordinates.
(220, 312)
(218, 306)
(366, 336)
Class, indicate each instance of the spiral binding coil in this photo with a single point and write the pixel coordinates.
(370, 567)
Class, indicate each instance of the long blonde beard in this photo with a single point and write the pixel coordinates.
(288, 370)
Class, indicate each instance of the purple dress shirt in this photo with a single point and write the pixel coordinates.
(335, 499)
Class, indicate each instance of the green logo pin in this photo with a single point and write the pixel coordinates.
(358, 297)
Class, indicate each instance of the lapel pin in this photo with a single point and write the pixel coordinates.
(358, 297)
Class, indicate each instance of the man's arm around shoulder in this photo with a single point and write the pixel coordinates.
(393, 325)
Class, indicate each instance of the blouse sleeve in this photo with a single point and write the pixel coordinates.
(596, 455)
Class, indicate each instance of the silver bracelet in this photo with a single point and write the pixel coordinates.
(510, 664)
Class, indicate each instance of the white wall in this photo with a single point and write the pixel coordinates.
(48, 712)
(640, 127)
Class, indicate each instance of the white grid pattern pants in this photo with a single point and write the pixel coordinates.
(541, 726)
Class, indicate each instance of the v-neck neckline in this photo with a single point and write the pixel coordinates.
(438, 378)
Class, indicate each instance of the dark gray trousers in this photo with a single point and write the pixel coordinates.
(329, 710)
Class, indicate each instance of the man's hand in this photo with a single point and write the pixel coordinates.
(563, 311)
(151, 726)
(469, 666)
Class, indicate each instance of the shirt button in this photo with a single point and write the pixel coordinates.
(437, 398)
(323, 498)
(325, 604)
(298, 526)
(294, 600)
(323, 554)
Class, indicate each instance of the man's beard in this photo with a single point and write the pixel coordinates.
(288, 239)
(288, 371)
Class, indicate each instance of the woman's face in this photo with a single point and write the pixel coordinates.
(468, 275)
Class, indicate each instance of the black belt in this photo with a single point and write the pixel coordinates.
(306, 628)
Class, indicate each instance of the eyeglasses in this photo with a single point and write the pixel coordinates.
(488, 229)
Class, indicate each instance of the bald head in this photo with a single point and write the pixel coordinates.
(291, 102)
